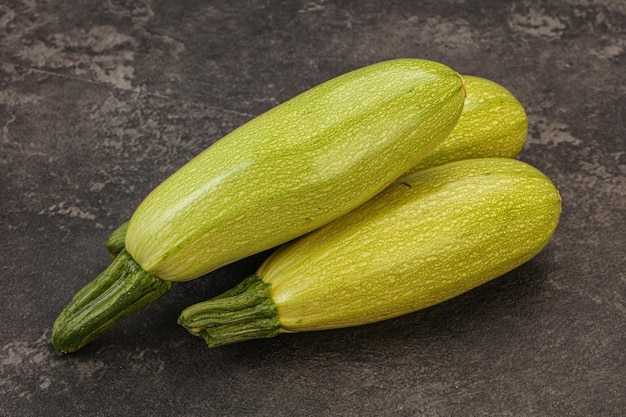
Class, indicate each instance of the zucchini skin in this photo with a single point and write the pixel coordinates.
(295, 168)
(425, 239)
(493, 124)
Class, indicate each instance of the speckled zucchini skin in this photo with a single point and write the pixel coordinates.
(493, 124)
(423, 240)
(295, 168)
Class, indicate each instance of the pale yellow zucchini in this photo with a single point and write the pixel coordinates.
(425, 239)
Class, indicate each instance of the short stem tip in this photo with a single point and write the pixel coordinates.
(119, 291)
(245, 312)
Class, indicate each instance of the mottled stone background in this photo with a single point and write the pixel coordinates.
(102, 100)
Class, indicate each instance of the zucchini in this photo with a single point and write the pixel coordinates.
(423, 240)
(493, 123)
(283, 174)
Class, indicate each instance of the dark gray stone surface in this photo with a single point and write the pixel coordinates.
(102, 100)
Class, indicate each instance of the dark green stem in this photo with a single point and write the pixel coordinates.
(117, 240)
(245, 312)
(119, 291)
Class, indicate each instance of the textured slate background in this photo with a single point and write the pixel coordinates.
(101, 100)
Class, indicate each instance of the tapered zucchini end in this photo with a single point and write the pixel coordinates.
(118, 292)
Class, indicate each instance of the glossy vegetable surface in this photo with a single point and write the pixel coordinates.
(425, 239)
(281, 175)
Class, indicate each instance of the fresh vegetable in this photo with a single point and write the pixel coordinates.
(423, 240)
(283, 174)
(493, 123)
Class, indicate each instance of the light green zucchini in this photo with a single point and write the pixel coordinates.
(493, 123)
(423, 240)
(285, 173)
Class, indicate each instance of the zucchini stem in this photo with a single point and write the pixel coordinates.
(245, 312)
(119, 291)
(117, 240)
